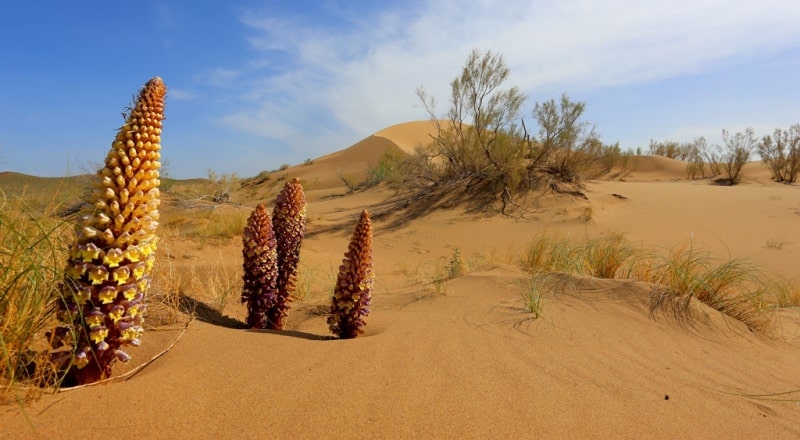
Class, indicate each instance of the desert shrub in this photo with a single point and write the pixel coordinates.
(671, 149)
(781, 153)
(695, 158)
(388, 169)
(480, 149)
(221, 186)
(738, 149)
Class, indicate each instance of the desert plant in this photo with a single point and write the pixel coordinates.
(606, 256)
(531, 295)
(352, 294)
(455, 266)
(696, 161)
(33, 245)
(781, 153)
(568, 147)
(221, 186)
(260, 254)
(108, 269)
(289, 223)
(738, 149)
(545, 253)
(734, 287)
(478, 142)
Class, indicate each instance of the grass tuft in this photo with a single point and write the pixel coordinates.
(33, 246)
(531, 295)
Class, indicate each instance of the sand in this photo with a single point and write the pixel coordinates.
(466, 361)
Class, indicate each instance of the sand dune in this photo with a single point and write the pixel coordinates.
(468, 362)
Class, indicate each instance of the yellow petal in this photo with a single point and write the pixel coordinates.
(107, 294)
(132, 254)
(113, 257)
(121, 274)
(98, 334)
(98, 274)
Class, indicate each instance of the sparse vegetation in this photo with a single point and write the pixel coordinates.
(531, 295)
(734, 287)
(33, 246)
(738, 149)
(781, 153)
(481, 152)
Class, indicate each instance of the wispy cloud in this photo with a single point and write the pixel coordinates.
(181, 94)
(359, 73)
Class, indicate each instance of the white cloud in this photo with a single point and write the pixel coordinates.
(180, 94)
(363, 76)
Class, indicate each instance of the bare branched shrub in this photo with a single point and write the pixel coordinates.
(738, 149)
(781, 153)
(478, 142)
(695, 158)
(567, 147)
(482, 151)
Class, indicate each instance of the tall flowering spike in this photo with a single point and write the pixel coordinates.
(260, 266)
(289, 223)
(353, 292)
(108, 270)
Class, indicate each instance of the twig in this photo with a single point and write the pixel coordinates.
(134, 371)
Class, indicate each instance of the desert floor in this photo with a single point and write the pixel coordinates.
(462, 359)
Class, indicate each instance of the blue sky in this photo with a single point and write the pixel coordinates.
(253, 85)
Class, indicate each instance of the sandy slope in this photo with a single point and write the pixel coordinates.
(469, 363)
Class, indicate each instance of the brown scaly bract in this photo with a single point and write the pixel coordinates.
(108, 270)
(260, 268)
(353, 292)
(289, 223)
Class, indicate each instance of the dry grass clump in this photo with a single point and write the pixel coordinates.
(33, 246)
(549, 254)
(606, 257)
(734, 287)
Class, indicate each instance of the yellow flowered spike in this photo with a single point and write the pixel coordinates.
(104, 269)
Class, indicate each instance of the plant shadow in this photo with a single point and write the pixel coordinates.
(206, 313)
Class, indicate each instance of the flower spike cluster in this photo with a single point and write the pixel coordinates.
(108, 270)
(289, 223)
(353, 292)
(260, 268)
